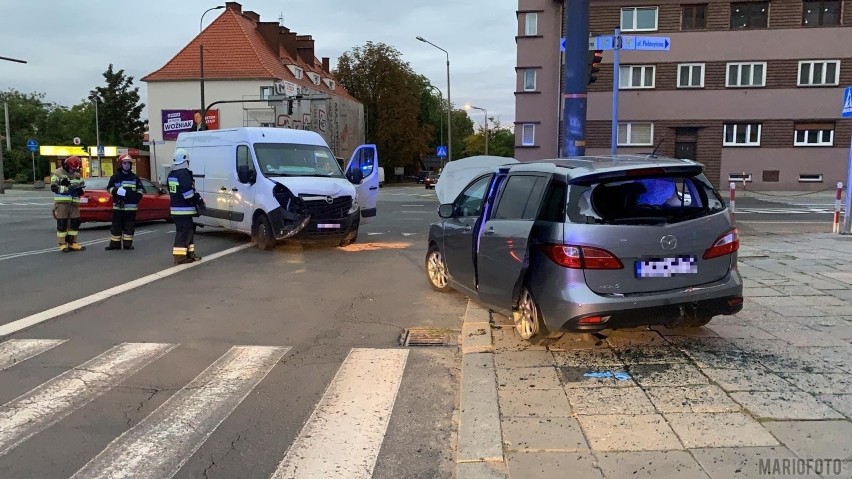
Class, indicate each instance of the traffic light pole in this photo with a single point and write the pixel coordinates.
(616, 71)
(576, 83)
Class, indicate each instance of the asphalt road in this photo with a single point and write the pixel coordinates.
(150, 378)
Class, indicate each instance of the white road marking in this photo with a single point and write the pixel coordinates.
(406, 206)
(343, 436)
(420, 212)
(67, 308)
(16, 351)
(53, 249)
(44, 406)
(161, 443)
(374, 234)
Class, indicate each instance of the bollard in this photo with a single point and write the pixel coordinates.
(733, 189)
(835, 228)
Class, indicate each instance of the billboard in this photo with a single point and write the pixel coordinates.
(177, 121)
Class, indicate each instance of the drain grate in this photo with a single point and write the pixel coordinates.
(425, 337)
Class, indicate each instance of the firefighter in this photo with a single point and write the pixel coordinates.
(67, 185)
(185, 204)
(126, 190)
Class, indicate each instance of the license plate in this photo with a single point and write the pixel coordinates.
(666, 267)
(84, 201)
(327, 226)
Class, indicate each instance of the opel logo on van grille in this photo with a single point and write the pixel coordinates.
(329, 199)
(668, 242)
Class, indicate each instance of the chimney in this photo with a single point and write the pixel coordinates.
(253, 16)
(234, 6)
(287, 39)
(326, 64)
(305, 47)
(269, 32)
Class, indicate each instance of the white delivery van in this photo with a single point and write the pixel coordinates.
(276, 183)
(381, 176)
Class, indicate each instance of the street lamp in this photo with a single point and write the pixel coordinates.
(441, 123)
(201, 59)
(6, 107)
(449, 104)
(95, 99)
(468, 107)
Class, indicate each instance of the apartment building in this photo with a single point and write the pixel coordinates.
(751, 89)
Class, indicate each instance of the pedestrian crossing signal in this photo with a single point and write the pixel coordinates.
(595, 58)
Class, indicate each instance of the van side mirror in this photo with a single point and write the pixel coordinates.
(355, 176)
(446, 210)
(245, 175)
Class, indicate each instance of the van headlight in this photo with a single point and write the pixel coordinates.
(355, 207)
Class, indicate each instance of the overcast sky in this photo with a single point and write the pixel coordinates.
(68, 45)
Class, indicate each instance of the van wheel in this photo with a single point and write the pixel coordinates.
(349, 239)
(528, 321)
(263, 237)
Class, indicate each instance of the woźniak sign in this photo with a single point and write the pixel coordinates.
(177, 121)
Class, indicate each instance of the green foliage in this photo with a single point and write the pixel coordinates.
(501, 142)
(119, 111)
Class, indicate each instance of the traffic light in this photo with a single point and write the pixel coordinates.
(595, 58)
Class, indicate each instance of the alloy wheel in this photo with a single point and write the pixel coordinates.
(526, 318)
(436, 270)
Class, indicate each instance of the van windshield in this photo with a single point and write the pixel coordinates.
(286, 159)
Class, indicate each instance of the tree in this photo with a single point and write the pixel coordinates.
(392, 95)
(119, 110)
(27, 117)
(462, 128)
(501, 142)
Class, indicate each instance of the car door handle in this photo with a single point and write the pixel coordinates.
(374, 188)
(489, 231)
(234, 189)
(468, 228)
(223, 189)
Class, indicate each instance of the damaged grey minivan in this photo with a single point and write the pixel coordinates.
(586, 243)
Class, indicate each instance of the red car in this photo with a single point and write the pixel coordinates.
(96, 203)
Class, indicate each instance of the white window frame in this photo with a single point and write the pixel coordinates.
(736, 126)
(528, 140)
(266, 92)
(534, 79)
(824, 64)
(814, 178)
(634, 27)
(740, 66)
(691, 67)
(820, 142)
(629, 77)
(629, 140)
(531, 24)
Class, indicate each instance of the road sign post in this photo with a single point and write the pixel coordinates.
(616, 72)
(32, 145)
(846, 112)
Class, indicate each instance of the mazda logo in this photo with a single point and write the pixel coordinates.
(668, 242)
(329, 199)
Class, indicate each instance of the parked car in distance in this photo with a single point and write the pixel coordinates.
(421, 177)
(431, 181)
(588, 243)
(96, 202)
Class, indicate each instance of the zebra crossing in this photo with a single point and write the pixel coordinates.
(341, 438)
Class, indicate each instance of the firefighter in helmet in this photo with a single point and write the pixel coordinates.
(67, 185)
(126, 190)
(185, 203)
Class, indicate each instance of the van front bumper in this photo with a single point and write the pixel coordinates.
(330, 229)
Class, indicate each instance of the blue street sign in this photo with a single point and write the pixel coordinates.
(847, 103)
(562, 44)
(601, 42)
(442, 151)
(32, 145)
(652, 43)
(100, 150)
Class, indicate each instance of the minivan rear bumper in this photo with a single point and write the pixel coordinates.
(563, 308)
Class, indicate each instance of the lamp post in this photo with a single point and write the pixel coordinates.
(6, 108)
(449, 104)
(201, 59)
(468, 107)
(95, 99)
(440, 118)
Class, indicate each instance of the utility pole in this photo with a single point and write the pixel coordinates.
(576, 82)
(2, 174)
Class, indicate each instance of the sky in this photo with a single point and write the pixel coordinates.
(68, 45)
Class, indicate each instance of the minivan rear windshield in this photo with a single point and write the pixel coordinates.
(646, 200)
(286, 159)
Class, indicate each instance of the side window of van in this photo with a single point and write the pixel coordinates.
(245, 167)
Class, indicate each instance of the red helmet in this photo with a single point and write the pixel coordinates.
(124, 158)
(73, 163)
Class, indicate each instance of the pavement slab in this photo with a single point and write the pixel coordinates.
(719, 430)
(588, 377)
(641, 432)
(696, 399)
(651, 355)
(534, 403)
(524, 359)
(817, 383)
(602, 356)
(627, 400)
(528, 378)
(755, 379)
(506, 339)
(550, 465)
(841, 403)
(673, 374)
(826, 440)
(730, 331)
(634, 337)
(744, 462)
(656, 465)
(543, 434)
(787, 405)
(481, 470)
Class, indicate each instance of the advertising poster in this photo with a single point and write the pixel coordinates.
(177, 121)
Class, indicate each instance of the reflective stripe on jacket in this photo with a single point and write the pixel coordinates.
(182, 193)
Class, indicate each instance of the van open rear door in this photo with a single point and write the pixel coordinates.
(363, 171)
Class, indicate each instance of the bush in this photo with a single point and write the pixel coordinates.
(23, 177)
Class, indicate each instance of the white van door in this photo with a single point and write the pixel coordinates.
(213, 183)
(242, 189)
(363, 171)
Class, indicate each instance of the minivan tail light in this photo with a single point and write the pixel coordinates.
(725, 244)
(581, 257)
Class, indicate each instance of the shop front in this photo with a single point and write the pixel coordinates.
(92, 165)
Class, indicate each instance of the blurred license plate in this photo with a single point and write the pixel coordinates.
(84, 201)
(666, 267)
(327, 226)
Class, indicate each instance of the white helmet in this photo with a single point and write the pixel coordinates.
(180, 156)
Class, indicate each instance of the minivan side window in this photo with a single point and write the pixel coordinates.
(244, 163)
(469, 202)
(521, 198)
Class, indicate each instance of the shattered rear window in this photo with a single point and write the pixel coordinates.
(648, 200)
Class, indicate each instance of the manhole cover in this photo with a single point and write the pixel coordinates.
(424, 337)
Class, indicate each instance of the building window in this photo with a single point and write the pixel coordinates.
(638, 19)
(531, 24)
(636, 76)
(267, 124)
(266, 92)
(528, 134)
(529, 79)
(817, 73)
(742, 134)
(749, 14)
(746, 75)
(635, 134)
(693, 17)
(814, 134)
(807, 178)
(821, 13)
(690, 75)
